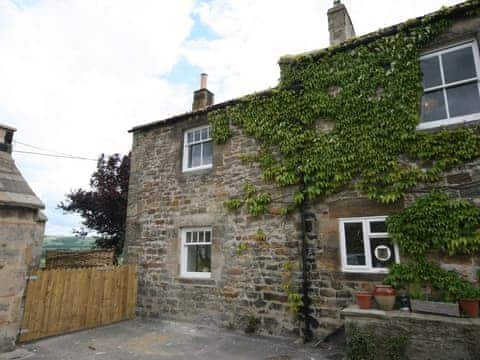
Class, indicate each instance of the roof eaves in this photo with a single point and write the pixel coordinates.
(187, 115)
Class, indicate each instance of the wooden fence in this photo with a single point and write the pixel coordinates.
(59, 301)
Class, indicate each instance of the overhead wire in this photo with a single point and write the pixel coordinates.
(56, 154)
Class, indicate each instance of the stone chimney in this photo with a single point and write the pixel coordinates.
(6, 138)
(203, 97)
(339, 23)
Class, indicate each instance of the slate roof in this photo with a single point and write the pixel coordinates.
(14, 190)
(446, 12)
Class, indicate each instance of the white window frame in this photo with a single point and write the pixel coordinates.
(458, 119)
(184, 254)
(367, 235)
(186, 146)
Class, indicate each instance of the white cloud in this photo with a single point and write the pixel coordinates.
(253, 35)
(77, 74)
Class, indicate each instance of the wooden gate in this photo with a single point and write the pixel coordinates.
(64, 300)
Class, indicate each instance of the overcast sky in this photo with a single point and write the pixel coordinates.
(75, 75)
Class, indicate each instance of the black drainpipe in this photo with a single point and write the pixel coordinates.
(306, 311)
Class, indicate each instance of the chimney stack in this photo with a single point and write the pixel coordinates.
(203, 97)
(339, 23)
(6, 138)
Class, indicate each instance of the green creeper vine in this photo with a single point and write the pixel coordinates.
(295, 301)
(439, 224)
(370, 95)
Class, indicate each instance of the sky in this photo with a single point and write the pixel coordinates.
(76, 75)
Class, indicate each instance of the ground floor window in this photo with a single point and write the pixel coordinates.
(366, 246)
(196, 252)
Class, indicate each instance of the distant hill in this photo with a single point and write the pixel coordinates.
(68, 243)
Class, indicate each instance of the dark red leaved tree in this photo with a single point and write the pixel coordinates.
(104, 206)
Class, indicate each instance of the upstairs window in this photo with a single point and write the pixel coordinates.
(198, 149)
(366, 246)
(196, 254)
(451, 86)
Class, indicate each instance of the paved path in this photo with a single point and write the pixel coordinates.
(156, 339)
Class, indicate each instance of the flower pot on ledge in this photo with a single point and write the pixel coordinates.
(385, 297)
(469, 307)
(364, 300)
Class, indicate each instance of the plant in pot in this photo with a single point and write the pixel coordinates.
(385, 296)
(364, 299)
(469, 297)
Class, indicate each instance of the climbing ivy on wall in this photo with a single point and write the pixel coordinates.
(370, 98)
(435, 223)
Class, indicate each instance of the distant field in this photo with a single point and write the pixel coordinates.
(66, 243)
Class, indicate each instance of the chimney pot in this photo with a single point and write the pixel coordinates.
(203, 97)
(339, 23)
(203, 81)
(6, 138)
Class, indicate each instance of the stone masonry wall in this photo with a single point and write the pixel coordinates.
(21, 236)
(163, 200)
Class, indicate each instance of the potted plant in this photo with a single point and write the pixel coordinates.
(425, 300)
(364, 299)
(385, 297)
(469, 297)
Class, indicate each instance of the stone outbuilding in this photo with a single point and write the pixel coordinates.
(22, 225)
(200, 262)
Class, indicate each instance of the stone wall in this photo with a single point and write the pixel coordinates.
(21, 236)
(427, 336)
(163, 200)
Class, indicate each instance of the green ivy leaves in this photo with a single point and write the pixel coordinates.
(371, 95)
(436, 222)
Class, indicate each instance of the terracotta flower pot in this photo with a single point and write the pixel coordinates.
(469, 307)
(385, 297)
(364, 300)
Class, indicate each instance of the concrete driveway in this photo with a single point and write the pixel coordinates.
(158, 339)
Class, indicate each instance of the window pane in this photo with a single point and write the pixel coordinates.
(199, 258)
(459, 65)
(189, 237)
(207, 153)
(207, 236)
(194, 159)
(190, 137)
(354, 244)
(197, 135)
(204, 133)
(378, 227)
(195, 236)
(200, 236)
(463, 99)
(433, 106)
(383, 252)
(431, 72)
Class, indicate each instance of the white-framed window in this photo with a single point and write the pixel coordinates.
(196, 253)
(365, 245)
(451, 84)
(198, 149)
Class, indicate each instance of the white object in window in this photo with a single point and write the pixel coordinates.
(198, 149)
(365, 245)
(451, 86)
(196, 253)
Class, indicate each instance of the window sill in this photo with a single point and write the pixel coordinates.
(454, 122)
(200, 168)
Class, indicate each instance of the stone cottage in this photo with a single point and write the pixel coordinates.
(22, 225)
(200, 262)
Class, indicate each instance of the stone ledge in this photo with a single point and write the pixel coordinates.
(196, 282)
(355, 312)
